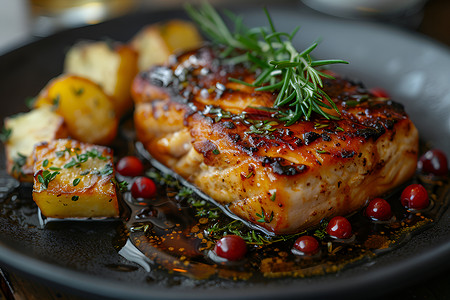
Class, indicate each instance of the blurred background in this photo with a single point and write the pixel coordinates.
(23, 20)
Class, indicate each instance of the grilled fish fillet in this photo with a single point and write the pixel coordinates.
(217, 134)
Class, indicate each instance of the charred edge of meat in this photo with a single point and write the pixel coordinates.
(310, 137)
(279, 167)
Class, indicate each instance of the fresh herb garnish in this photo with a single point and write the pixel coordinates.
(78, 92)
(165, 179)
(76, 181)
(294, 75)
(261, 126)
(55, 101)
(29, 102)
(263, 218)
(321, 232)
(81, 158)
(18, 162)
(5, 134)
(121, 185)
(218, 112)
(250, 236)
(46, 177)
(322, 151)
(106, 170)
(75, 198)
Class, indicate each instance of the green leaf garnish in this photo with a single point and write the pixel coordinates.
(281, 68)
(46, 177)
(5, 134)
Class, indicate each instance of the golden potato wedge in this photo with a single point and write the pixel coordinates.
(155, 43)
(74, 180)
(88, 112)
(25, 131)
(111, 65)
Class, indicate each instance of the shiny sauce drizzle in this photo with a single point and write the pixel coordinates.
(175, 231)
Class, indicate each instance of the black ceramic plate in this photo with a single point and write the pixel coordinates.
(82, 257)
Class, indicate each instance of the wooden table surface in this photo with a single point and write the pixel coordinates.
(435, 23)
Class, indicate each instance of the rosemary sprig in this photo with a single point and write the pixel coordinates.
(294, 75)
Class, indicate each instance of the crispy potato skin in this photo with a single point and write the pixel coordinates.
(27, 130)
(294, 176)
(87, 111)
(157, 42)
(93, 196)
(111, 65)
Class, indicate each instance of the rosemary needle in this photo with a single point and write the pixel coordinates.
(281, 68)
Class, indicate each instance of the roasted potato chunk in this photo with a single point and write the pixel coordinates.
(25, 131)
(111, 65)
(155, 43)
(74, 180)
(86, 109)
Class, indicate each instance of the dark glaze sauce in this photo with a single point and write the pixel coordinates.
(176, 231)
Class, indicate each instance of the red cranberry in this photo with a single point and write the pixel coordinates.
(339, 227)
(231, 247)
(433, 162)
(307, 244)
(415, 196)
(143, 187)
(379, 209)
(379, 92)
(129, 166)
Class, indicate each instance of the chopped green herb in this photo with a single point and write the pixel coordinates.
(321, 232)
(55, 101)
(78, 92)
(294, 75)
(263, 217)
(122, 185)
(76, 181)
(322, 151)
(81, 158)
(45, 163)
(29, 102)
(321, 125)
(5, 134)
(46, 177)
(218, 112)
(72, 163)
(261, 126)
(75, 198)
(163, 178)
(251, 237)
(185, 192)
(216, 151)
(18, 162)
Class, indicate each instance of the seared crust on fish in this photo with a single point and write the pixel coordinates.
(226, 139)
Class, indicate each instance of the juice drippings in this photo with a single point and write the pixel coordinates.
(177, 231)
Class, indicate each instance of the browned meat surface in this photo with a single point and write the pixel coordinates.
(213, 132)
